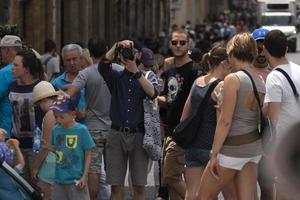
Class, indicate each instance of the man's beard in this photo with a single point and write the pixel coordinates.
(260, 62)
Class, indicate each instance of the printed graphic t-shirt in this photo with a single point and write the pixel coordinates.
(178, 83)
(25, 115)
(70, 145)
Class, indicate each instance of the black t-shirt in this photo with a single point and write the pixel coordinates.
(178, 83)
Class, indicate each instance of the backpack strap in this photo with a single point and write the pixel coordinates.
(290, 81)
(47, 60)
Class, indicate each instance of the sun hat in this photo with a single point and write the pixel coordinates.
(259, 34)
(147, 57)
(43, 90)
(62, 104)
(10, 41)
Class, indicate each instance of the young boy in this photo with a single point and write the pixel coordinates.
(72, 145)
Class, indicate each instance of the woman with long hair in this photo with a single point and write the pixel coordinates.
(197, 155)
(237, 146)
(28, 71)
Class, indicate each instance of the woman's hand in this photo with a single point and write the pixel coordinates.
(214, 167)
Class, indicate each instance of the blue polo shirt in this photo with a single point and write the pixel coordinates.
(6, 79)
(61, 81)
(126, 108)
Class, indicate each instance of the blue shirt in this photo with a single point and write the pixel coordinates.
(6, 79)
(70, 145)
(61, 81)
(126, 108)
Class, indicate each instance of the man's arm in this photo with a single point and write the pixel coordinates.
(273, 109)
(145, 83)
(71, 89)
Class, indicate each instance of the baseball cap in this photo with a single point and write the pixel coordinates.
(10, 41)
(259, 34)
(147, 57)
(43, 90)
(62, 104)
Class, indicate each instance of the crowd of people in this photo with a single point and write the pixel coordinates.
(91, 115)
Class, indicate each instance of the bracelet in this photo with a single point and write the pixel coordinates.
(210, 154)
(137, 75)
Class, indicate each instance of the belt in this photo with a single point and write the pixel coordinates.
(128, 129)
(242, 139)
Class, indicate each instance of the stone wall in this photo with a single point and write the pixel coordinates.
(68, 21)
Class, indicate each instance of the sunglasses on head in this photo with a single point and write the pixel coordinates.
(181, 42)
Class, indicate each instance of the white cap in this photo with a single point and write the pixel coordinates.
(10, 41)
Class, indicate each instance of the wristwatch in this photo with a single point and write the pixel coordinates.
(137, 75)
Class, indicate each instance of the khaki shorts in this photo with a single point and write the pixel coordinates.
(99, 137)
(123, 147)
(173, 162)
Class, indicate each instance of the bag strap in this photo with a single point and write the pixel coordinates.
(290, 81)
(47, 60)
(255, 94)
(147, 74)
(208, 93)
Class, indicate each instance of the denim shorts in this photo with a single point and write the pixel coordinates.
(196, 157)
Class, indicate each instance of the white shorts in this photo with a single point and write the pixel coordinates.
(236, 163)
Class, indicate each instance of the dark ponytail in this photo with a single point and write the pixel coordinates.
(32, 63)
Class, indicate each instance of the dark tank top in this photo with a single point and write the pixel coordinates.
(205, 135)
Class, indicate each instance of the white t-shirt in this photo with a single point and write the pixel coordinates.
(278, 89)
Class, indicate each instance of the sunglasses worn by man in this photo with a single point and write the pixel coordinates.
(181, 42)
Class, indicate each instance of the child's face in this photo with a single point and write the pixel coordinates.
(45, 104)
(65, 119)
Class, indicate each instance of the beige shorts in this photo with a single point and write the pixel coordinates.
(173, 162)
(236, 163)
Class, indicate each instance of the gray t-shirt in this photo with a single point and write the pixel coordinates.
(97, 97)
(52, 65)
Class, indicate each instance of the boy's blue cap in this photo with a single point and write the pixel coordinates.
(259, 34)
(5, 153)
(62, 104)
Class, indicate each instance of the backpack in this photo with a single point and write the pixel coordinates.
(185, 132)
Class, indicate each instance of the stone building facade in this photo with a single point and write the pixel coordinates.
(68, 21)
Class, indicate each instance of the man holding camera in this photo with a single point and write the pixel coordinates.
(124, 142)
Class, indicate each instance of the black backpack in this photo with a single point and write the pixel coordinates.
(185, 132)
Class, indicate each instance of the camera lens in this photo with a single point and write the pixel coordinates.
(127, 53)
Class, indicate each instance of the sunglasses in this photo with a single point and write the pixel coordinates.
(181, 42)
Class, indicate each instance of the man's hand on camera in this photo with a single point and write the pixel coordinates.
(130, 65)
(125, 43)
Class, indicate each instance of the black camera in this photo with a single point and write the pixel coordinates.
(125, 52)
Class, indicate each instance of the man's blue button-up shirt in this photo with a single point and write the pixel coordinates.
(126, 108)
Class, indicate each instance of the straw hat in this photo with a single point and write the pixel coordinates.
(43, 90)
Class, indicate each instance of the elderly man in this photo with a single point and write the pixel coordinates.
(9, 45)
(71, 58)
